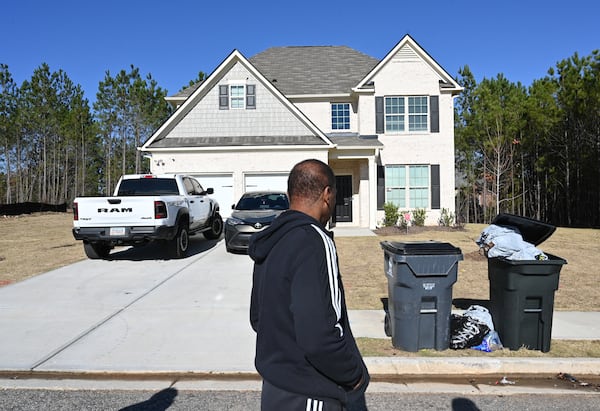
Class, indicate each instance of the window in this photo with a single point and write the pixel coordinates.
(340, 116)
(417, 113)
(407, 186)
(418, 177)
(398, 115)
(394, 114)
(395, 185)
(237, 96)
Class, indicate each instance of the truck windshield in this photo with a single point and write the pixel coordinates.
(148, 187)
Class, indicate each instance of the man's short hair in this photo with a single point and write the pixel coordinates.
(308, 178)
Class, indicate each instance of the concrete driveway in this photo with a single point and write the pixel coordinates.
(137, 312)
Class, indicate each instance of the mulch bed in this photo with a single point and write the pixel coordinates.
(395, 230)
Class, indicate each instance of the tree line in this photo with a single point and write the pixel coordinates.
(532, 151)
(55, 146)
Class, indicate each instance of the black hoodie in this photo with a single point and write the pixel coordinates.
(304, 343)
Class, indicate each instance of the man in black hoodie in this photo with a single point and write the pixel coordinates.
(305, 350)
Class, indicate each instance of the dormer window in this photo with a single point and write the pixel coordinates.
(237, 96)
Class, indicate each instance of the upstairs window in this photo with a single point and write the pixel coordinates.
(417, 113)
(406, 114)
(340, 116)
(237, 96)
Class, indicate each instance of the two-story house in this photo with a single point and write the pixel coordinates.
(386, 127)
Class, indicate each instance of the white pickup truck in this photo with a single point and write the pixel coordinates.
(144, 208)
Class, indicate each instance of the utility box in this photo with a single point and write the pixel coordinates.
(522, 291)
(420, 278)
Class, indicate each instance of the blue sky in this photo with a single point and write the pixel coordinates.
(173, 40)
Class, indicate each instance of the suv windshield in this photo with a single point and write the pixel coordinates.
(263, 201)
(148, 187)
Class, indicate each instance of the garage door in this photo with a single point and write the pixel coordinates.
(223, 186)
(273, 182)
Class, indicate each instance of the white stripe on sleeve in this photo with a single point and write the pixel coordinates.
(333, 272)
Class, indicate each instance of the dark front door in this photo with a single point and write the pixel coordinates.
(343, 201)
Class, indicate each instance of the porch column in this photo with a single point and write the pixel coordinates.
(372, 193)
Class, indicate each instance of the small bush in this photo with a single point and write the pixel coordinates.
(391, 214)
(447, 218)
(419, 215)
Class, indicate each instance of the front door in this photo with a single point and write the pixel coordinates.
(343, 201)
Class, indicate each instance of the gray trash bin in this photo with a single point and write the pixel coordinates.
(522, 291)
(420, 279)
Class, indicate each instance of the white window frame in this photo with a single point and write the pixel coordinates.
(406, 202)
(342, 117)
(406, 114)
(237, 98)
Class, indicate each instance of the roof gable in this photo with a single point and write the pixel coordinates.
(408, 49)
(170, 134)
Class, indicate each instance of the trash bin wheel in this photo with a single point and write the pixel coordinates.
(387, 326)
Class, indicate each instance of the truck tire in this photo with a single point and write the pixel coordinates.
(178, 246)
(216, 228)
(95, 251)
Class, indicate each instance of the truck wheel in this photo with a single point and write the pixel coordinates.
(216, 228)
(179, 245)
(95, 251)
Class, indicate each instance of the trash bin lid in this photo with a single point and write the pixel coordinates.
(532, 231)
(420, 248)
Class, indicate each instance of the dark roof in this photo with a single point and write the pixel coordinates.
(354, 140)
(298, 70)
(175, 142)
(313, 69)
(188, 91)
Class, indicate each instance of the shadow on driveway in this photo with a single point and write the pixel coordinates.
(157, 250)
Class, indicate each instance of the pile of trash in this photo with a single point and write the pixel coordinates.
(507, 242)
(474, 329)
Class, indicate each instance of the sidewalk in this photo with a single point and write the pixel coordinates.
(565, 326)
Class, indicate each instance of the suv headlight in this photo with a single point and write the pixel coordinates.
(234, 221)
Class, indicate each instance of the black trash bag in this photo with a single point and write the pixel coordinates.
(466, 332)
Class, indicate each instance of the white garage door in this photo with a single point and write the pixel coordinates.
(223, 186)
(273, 182)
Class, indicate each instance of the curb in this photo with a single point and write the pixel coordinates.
(379, 367)
(454, 366)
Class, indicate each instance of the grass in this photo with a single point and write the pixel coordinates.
(378, 347)
(361, 264)
(37, 243)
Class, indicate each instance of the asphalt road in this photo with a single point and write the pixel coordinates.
(174, 400)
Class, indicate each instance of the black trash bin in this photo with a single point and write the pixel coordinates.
(522, 291)
(420, 278)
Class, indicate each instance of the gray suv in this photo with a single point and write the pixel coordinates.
(252, 213)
